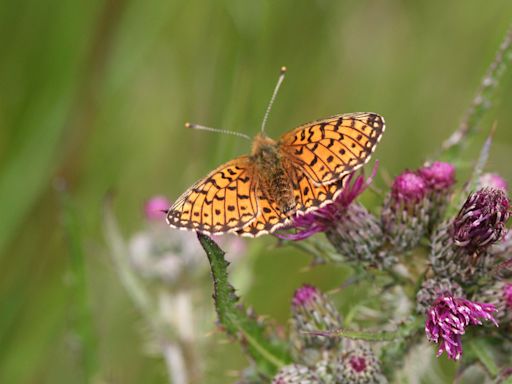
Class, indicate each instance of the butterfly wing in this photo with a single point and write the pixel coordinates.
(268, 219)
(224, 201)
(310, 196)
(328, 149)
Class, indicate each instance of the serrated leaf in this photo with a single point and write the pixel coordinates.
(268, 355)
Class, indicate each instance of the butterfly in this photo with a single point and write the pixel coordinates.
(303, 171)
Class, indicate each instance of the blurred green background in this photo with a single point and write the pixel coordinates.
(96, 93)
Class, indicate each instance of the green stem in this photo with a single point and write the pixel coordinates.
(403, 331)
(483, 100)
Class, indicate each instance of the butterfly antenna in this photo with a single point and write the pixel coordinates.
(203, 128)
(276, 89)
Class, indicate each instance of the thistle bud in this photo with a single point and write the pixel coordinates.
(358, 364)
(405, 212)
(325, 371)
(408, 188)
(440, 179)
(313, 312)
(439, 176)
(481, 220)
(295, 374)
(432, 289)
(453, 262)
(359, 238)
(498, 294)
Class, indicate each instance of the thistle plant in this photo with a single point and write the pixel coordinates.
(433, 260)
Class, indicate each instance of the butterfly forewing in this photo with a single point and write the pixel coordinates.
(224, 201)
(328, 149)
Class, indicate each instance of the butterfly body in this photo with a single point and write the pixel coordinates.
(302, 171)
(272, 170)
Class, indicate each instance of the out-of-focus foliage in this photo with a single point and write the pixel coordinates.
(96, 93)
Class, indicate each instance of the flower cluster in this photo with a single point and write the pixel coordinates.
(464, 249)
(321, 357)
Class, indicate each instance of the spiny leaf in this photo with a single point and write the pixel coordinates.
(268, 355)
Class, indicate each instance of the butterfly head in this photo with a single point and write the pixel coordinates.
(262, 144)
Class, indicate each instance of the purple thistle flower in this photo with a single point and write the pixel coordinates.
(439, 176)
(440, 179)
(481, 220)
(358, 364)
(405, 213)
(448, 318)
(156, 207)
(305, 295)
(408, 187)
(433, 288)
(493, 180)
(321, 220)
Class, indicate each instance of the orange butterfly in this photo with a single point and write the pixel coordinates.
(303, 171)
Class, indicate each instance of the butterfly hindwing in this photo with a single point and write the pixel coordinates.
(224, 201)
(330, 148)
(268, 219)
(310, 196)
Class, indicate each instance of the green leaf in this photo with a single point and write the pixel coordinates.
(483, 353)
(268, 355)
